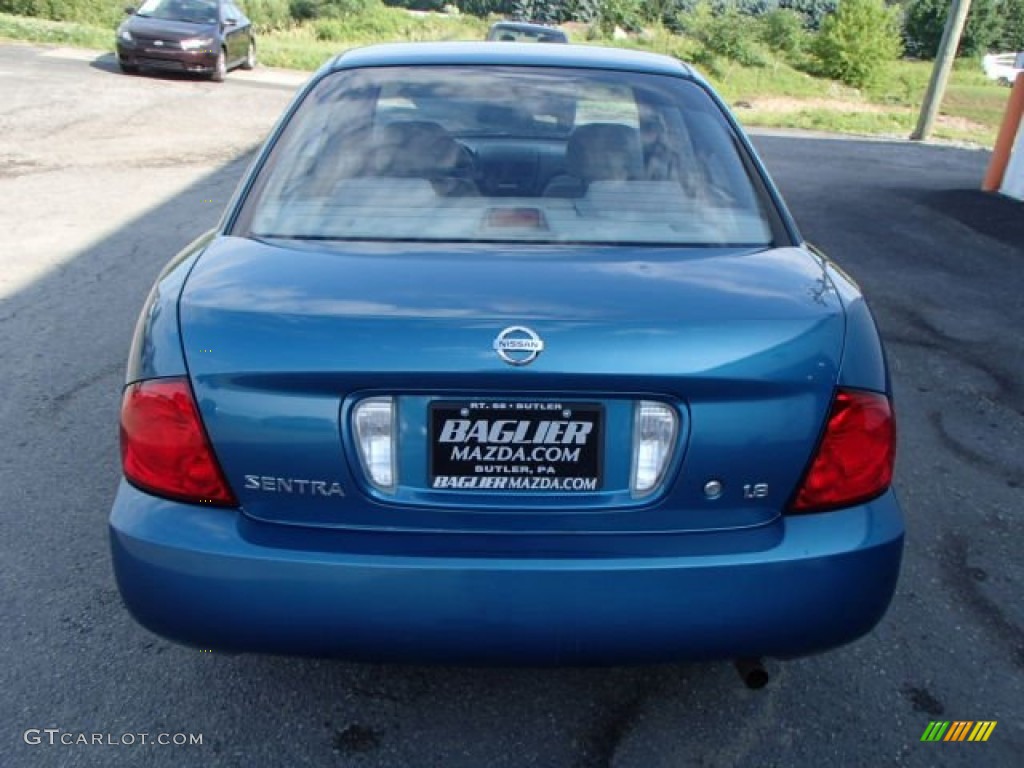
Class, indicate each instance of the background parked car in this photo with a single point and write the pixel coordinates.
(203, 36)
(525, 32)
(1003, 67)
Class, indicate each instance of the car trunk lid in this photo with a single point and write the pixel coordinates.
(284, 339)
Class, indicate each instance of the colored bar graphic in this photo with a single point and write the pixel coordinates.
(958, 730)
(982, 730)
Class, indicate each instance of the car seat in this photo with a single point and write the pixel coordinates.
(424, 149)
(598, 152)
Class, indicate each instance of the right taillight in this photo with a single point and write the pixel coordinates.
(855, 457)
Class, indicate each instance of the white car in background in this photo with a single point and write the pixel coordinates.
(1003, 67)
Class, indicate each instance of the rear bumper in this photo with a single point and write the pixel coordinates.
(193, 575)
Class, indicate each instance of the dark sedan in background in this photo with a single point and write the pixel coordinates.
(525, 32)
(202, 36)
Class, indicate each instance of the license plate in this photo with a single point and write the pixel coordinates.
(510, 446)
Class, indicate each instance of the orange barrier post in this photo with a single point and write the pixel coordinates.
(1007, 134)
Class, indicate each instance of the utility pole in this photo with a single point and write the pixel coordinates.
(940, 72)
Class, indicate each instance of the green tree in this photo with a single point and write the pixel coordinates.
(726, 33)
(1012, 13)
(268, 15)
(330, 9)
(627, 14)
(417, 5)
(926, 20)
(783, 31)
(858, 41)
(543, 11)
(814, 11)
(482, 7)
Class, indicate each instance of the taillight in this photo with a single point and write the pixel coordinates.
(164, 449)
(855, 457)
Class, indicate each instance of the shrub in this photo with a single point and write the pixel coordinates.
(858, 41)
(607, 14)
(728, 34)
(813, 11)
(626, 14)
(926, 20)
(586, 11)
(303, 10)
(379, 23)
(783, 31)
(373, 23)
(418, 5)
(268, 15)
(746, 7)
(483, 8)
(755, 7)
(544, 11)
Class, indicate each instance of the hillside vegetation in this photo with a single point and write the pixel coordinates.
(832, 65)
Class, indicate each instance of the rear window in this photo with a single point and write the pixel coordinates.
(471, 154)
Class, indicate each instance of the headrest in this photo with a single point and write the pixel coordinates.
(417, 148)
(605, 152)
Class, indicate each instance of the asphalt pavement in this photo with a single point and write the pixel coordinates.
(104, 177)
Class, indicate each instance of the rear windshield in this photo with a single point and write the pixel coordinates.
(470, 154)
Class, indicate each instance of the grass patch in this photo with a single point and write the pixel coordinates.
(307, 46)
(868, 123)
(972, 108)
(971, 111)
(984, 104)
(55, 32)
(295, 49)
(777, 79)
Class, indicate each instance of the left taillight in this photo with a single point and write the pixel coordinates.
(164, 448)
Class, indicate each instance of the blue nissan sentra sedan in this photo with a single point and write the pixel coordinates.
(507, 353)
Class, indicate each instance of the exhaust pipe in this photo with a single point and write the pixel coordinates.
(753, 673)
